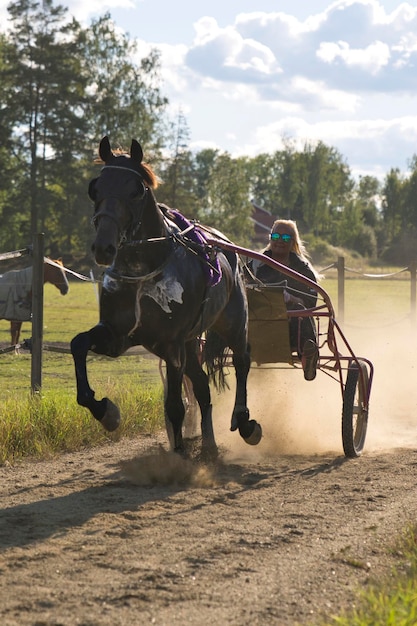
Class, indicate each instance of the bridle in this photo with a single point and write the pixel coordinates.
(125, 236)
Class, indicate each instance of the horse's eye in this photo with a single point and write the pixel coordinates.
(141, 190)
(92, 189)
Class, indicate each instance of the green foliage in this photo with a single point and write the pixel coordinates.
(44, 96)
(320, 251)
(44, 425)
(52, 422)
(63, 88)
(392, 601)
(123, 98)
(228, 207)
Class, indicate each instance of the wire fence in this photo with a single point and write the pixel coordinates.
(341, 268)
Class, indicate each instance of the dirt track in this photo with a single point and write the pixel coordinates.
(276, 534)
(276, 542)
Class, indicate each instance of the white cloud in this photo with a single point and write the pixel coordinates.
(83, 11)
(354, 44)
(223, 54)
(246, 79)
(206, 29)
(322, 97)
(371, 59)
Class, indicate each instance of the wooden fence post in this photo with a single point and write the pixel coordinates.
(413, 271)
(341, 289)
(37, 313)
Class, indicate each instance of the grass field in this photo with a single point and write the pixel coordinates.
(64, 317)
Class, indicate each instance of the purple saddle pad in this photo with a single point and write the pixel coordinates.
(211, 264)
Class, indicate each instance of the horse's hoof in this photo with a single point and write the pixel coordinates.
(252, 433)
(209, 454)
(111, 419)
(181, 451)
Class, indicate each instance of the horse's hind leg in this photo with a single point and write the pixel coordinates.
(15, 328)
(234, 332)
(201, 390)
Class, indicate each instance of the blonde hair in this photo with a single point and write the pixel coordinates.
(297, 246)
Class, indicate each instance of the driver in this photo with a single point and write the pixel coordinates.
(286, 247)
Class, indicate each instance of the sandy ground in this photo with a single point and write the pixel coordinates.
(278, 534)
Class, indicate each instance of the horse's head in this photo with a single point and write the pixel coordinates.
(54, 273)
(121, 193)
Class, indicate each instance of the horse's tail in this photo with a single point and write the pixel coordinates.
(214, 356)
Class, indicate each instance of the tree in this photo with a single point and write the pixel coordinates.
(124, 98)
(45, 87)
(64, 88)
(229, 207)
(178, 172)
(264, 172)
(368, 194)
(392, 202)
(327, 187)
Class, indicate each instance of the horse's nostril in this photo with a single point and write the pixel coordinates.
(104, 254)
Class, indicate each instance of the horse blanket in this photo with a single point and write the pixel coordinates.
(16, 295)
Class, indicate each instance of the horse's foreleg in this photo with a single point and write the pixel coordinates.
(174, 406)
(249, 429)
(103, 410)
(201, 391)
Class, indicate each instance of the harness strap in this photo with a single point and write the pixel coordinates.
(138, 279)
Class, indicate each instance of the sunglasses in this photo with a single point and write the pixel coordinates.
(277, 236)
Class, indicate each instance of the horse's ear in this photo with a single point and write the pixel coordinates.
(136, 151)
(105, 149)
(92, 189)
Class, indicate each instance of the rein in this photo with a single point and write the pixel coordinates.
(177, 238)
(139, 279)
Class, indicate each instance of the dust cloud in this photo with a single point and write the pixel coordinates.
(162, 467)
(300, 417)
(304, 418)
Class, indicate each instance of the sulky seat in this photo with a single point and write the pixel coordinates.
(269, 335)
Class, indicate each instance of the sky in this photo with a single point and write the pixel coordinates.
(251, 75)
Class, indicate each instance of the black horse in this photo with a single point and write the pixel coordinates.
(163, 290)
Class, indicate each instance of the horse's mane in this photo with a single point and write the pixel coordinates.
(145, 169)
(149, 175)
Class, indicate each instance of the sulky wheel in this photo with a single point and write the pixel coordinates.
(355, 410)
